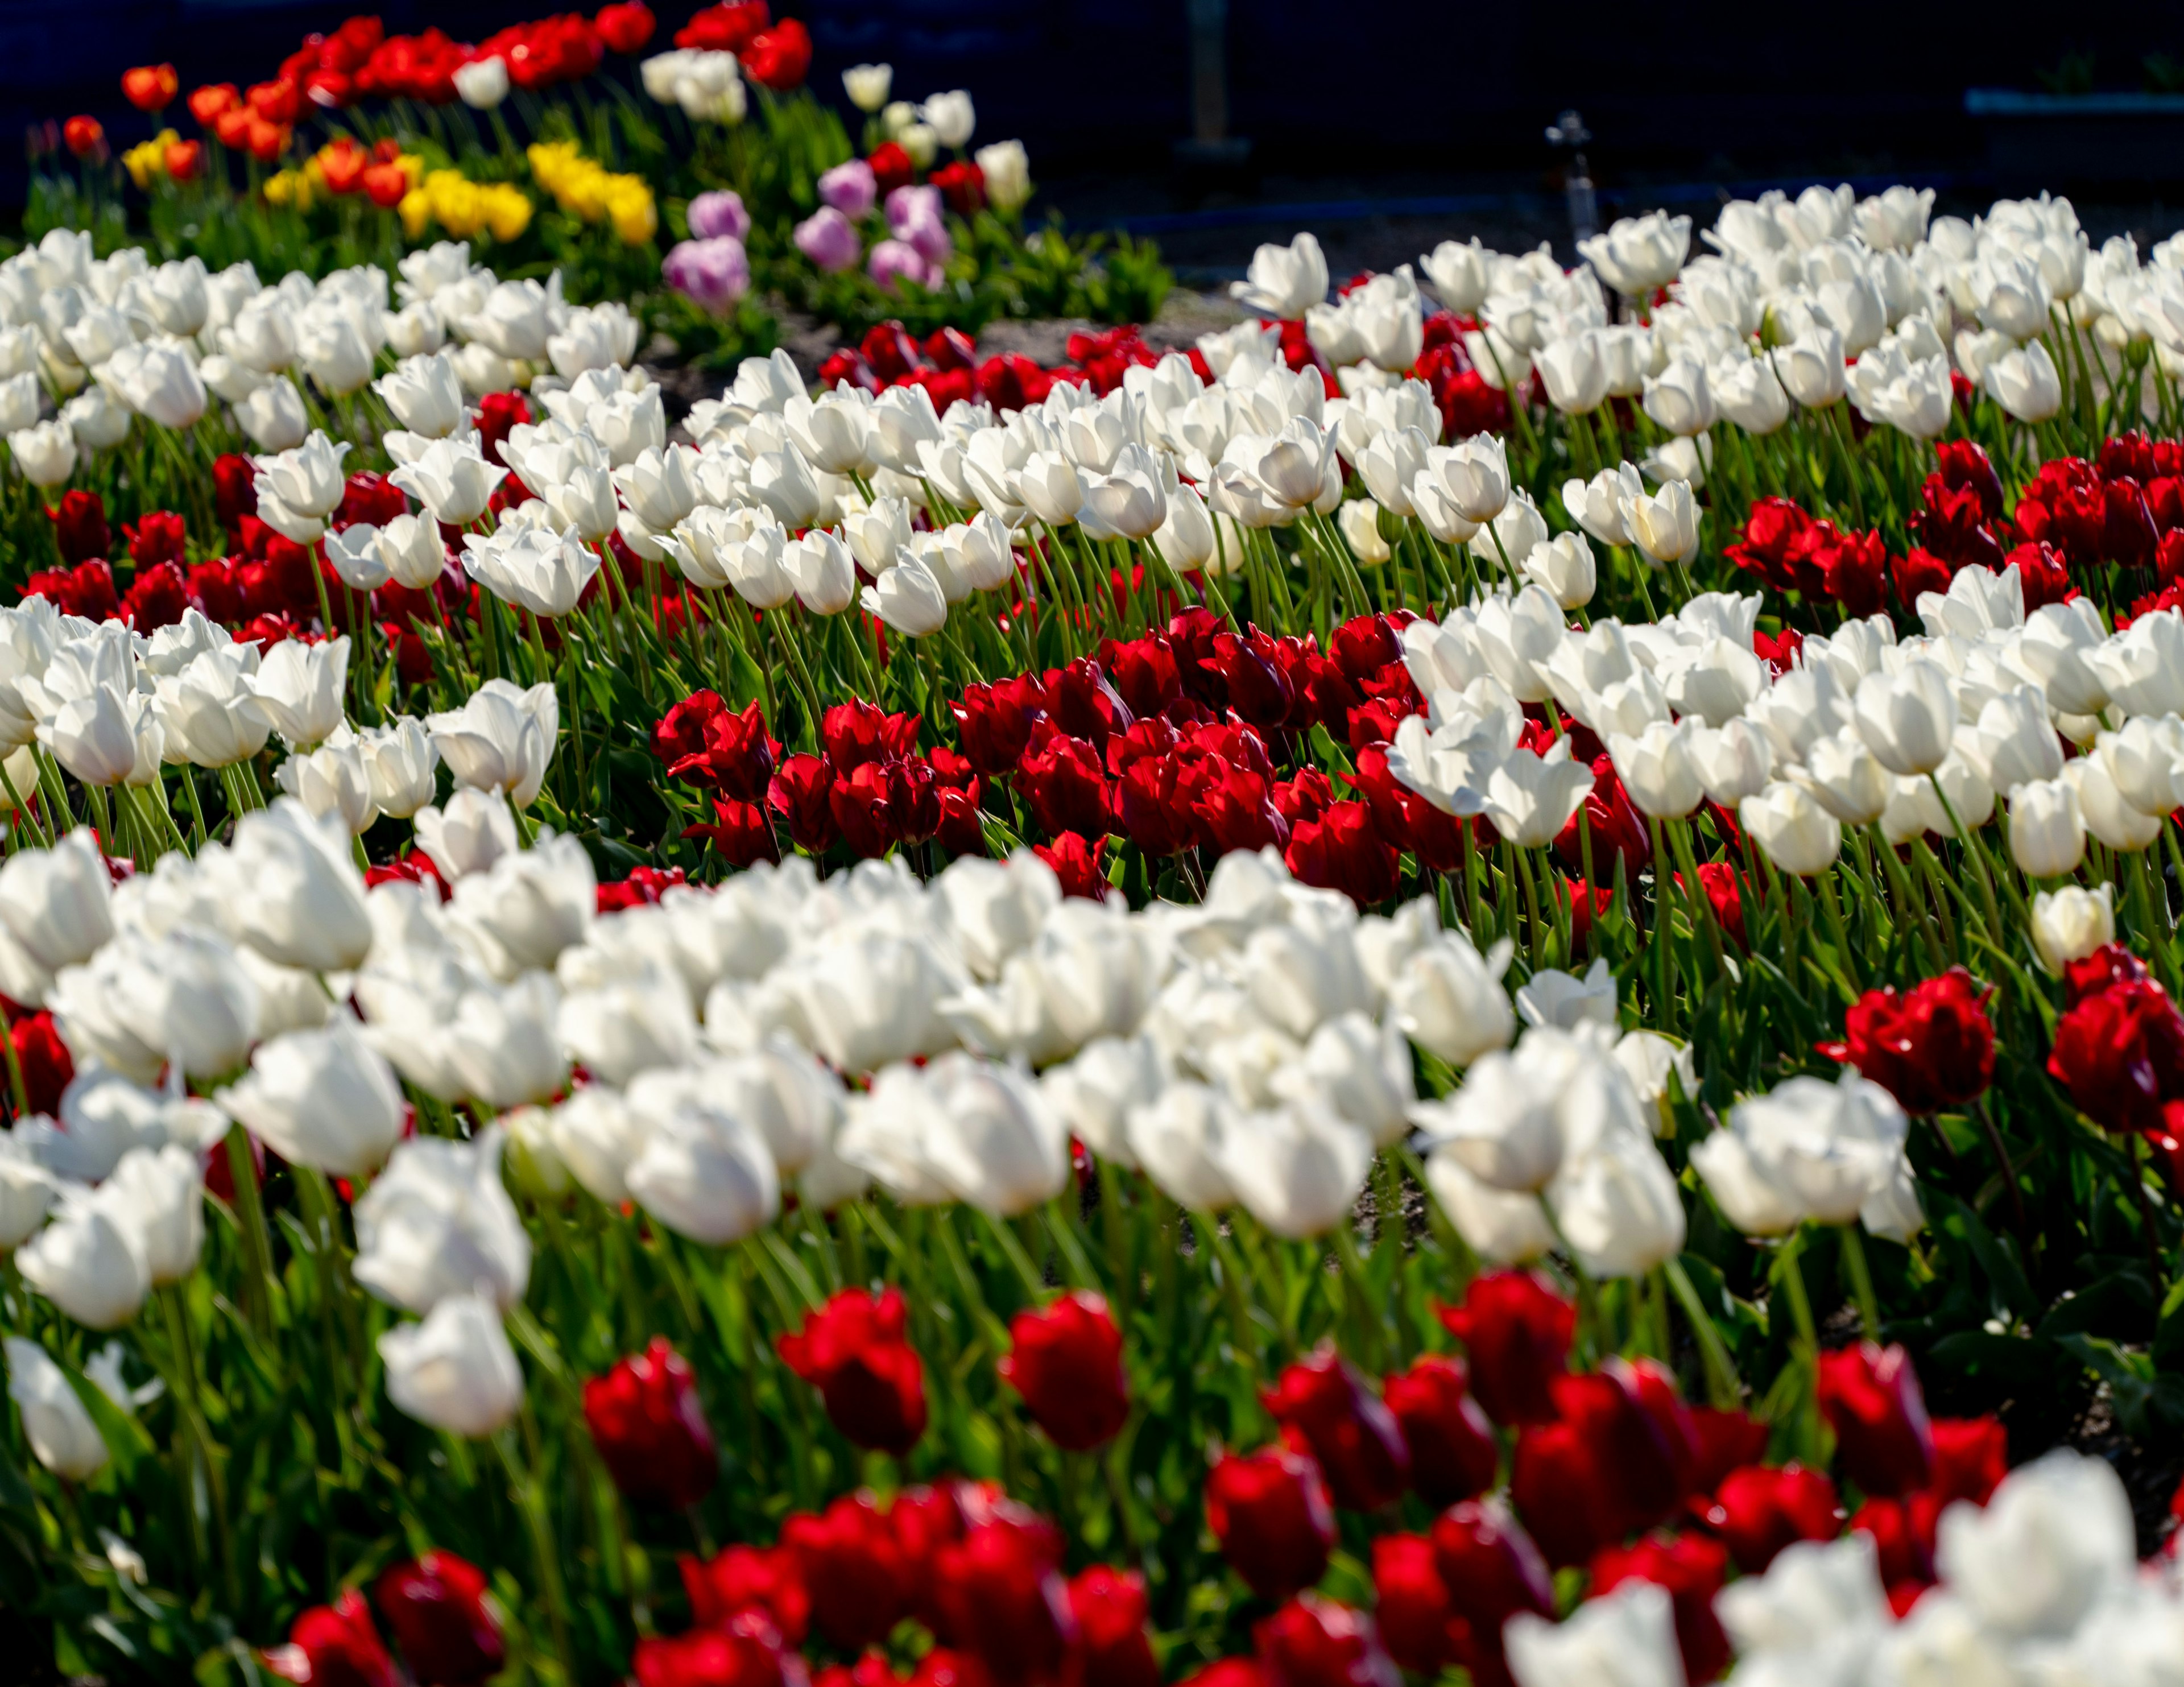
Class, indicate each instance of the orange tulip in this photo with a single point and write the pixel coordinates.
(150, 87)
(84, 135)
(232, 127)
(206, 104)
(184, 159)
(342, 162)
(276, 102)
(267, 141)
(386, 184)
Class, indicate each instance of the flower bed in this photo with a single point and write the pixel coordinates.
(1110, 1025)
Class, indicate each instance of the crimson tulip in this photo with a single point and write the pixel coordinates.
(1113, 1648)
(1314, 1642)
(1493, 1570)
(1065, 785)
(744, 1651)
(1690, 1566)
(650, 1427)
(1067, 1362)
(2119, 1051)
(1517, 1331)
(1871, 1398)
(994, 721)
(1343, 850)
(334, 1646)
(1971, 1455)
(1269, 1510)
(1931, 1047)
(1760, 1509)
(750, 1578)
(1079, 864)
(853, 1566)
(1726, 1441)
(1001, 1597)
(1411, 1604)
(47, 1065)
(443, 1619)
(1903, 1534)
(1323, 1404)
(853, 1350)
(625, 25)
(1453, 1455)
(79, 530)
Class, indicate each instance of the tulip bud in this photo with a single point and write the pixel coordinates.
(60, 1431)
(1352, 1435)
(650, 1428)
(1269, 1510)
(446, 1624)
(1067, 1362)
(862, 1580)
(854, 1352)
(1452, 1451)
(1871, 1398)
(1517, 1331)
(455, 1371)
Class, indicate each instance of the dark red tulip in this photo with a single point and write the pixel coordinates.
(1351, 1433)
(1113, 1648)
(750, 1578)
(47, 1066)
(732, 751)
(1971, 1455)
(1065, 784)
(1067, 1361)
(650, 1427)
(1493, 1570)
(158, 536)
(741, 833)
(1871, 1398)
(1143, 672)
(445, 1620)
(1931, 1047)
(1343, 850)
(854, 1352)
(1564, 1494)
(1759, 1510)
(1726, 1441)
(1453, 1455)
(859, 1578)
(1229, 1672)
(79, 530)
(1410, 1603)
(2119, 1051)
(334, 1646)
(1691, 1568)
(854, 732)
(1233, 808)
(1084, 704)
(1314, 1642)
(1080, 865)
(1517, 1331)
(1903, 1534)
(802, 793)
(994, 721)
(744, 1652)
(234, 489)
(1269, 1510)
(1001, 1597)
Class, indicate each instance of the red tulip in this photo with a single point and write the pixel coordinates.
(1517, 1331)
(1453, 1455)
(1314, 1642)
(854, 1352)
(858, 1576)
(742, 833)
(334, 1646)
(1564, 1494)
(1065, 784)
(744, 1651)
(995, 721)
(1067, 1362)
(47, 1066)
(1112, 1647)
(1493, 1570)
(650, 1427)
(1229, 1672)
(1411, 1604)
(1871, 1398)
(83, 136)
(854, 732)
(443, 1619)
(891, 166)
(234, 489)
(625, 25)
(750, 1578)
(1143, 672)
(1343, 850)
(1000, 1596)
(802, 793)
(1726, 1441)
(1323, 1403)
(2119, 1051)
(1902, 1533)
(1931, 1047)
(1269, 1510)
(1759, 1510)
(779, 58)
(1971, 1455)
(1691, 1568)
(150, 87)
(1081, 865)
(872, 1670)
(79, 530)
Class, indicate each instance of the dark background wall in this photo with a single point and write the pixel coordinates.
(1370, 98)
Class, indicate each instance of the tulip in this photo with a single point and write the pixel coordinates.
(1269, 1511)
(2055, 1540)
(1658, 769)
(1907, 718)
(2072, 923)
(854, 1352)
(501, 739)
(1759, 1512)
(703, 1172)
(45, 455)
(908, 597)
(998, 1593)
(436, 1223)
(455, 1371)
(334, 1643)
(322, 1099)
(1109, 1608)
(1517, 1332)
(1491, 1570)
(1452, 1453)
(139, 1004)
(1931, 1047)
(1353, 1436)
(451, 479)
(447, 1623)
(2047, 832)
(1870, 1398)
(61, 1433)
(1628, 1636)
(1067, 1362)
(157, 1196)
(90, 1261)
(867, 85)
(56, 903)
(1447, 999)
(855, 1565)
(1798, 835)
(2024, 381)
(650, 1427)
(1283, 281)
